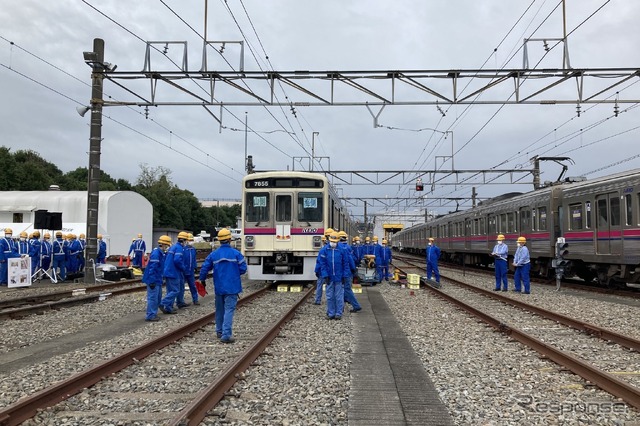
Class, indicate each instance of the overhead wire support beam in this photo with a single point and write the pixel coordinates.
(430, 87)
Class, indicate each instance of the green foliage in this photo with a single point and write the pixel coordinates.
(172, 207)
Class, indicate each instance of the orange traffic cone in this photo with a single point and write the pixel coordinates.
(144, 261)
(120, 263)
(128, 261)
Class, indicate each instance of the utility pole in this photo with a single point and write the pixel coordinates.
(313, 149)
(95, 60)
(246, 159)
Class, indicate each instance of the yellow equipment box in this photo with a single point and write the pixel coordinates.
(295, 288)
(413, 279)
(357, 288)
(414, 286)
(283, 288)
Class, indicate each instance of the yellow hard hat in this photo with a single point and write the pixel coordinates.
(367, 239)
(328, 232)
(47, 236)
(82, 236)
(324, 239)
(99, 236)
(522, 240)
(431, 239)
(190, 237)
(164, 239)
(58, 233)
(500, 237)
(139, 235)
(36, 234)
(375, 238)
(224, 235)
(8, 231)
(356, 238)
(342, 234)
(23, 234)
(334, 237)
(183, 235)
(384, 241)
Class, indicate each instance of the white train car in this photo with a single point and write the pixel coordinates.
(284, 215)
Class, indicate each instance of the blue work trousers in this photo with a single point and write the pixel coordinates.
(180, 296)
(46, 263)
(319, 285)
(501, 274)
(60, 267)
(4, 273)
(335, 299)
(522, 276)
(173, 287)
(136, 262)
(154, 297)
(349, 297)
(35, 264)
(225, 308)
(383, 272)
(432, 268)
(191, 282)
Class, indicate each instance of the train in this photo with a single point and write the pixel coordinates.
(599, 220)
(284, 215)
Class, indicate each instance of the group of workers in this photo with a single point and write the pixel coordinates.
(521, 263)
(65, 254)
(174, 264)
(337, 264)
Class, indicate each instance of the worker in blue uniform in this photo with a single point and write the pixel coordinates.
(8, 250)
(358, 250)
(320, 282)
(173, 273)
(75, 250)
(433, 254)
(35, 246)
(46, 251)
(101, 257)
(60, 255)
(228, 264)
(83, 243)
(522, 263)
(383, 258)
(23, 245)
(368, 248)
(138, 248)
(152, 277)
(349, 297)
(190, 264)
(334, 264)
(500, 253)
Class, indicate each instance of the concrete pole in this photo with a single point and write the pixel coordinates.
(95, 140)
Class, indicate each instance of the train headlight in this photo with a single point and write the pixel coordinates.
(249, 242)
(317, 241)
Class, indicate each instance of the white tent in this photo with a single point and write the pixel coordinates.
(121, 214)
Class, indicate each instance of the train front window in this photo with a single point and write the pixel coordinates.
(257, 207)
(310, 207)
(283, 208)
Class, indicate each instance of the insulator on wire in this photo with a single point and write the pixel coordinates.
(616, 109)
(578, 108)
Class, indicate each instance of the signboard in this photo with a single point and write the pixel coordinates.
(19, 272)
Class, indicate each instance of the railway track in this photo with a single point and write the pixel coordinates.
(566, 283)
(539, 330)
(176, 378)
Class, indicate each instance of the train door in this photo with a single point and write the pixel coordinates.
(467, 234)
(608, 229)
(283, 216)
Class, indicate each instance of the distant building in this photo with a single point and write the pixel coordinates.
(223, 202)
(122, 215)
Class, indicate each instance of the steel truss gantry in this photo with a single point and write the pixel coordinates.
(433, 177)
(210, 88)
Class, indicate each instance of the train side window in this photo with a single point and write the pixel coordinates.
(492, 225)
(587, 214)
(502, 224)
(614, 204)
(542, 219)
(628, 200)
(257, 207)
(525, 220)
(603, 217)
(576, 216)
(511, 224)
(481, 230)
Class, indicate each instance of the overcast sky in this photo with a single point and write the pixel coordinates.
(42, 42)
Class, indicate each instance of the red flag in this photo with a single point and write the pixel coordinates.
(202, 291)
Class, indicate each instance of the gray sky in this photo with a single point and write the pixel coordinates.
(49, 38)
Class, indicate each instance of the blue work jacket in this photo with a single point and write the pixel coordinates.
(227, 264)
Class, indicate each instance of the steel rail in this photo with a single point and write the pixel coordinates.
(209, 397)
(73, 300)
(26, 408)
(602, 379)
